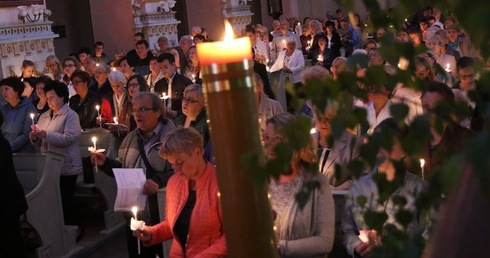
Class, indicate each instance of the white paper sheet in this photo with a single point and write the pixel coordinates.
(130, 182)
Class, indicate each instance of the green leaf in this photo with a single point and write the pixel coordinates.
(375, 220)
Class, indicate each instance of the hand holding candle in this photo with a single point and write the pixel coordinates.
(34, 126)
(137, 225)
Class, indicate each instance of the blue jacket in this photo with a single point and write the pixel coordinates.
(17, 125)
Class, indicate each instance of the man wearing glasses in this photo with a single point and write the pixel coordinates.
(139, 149)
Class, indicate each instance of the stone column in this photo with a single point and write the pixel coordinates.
(155, 19)
(238, 14)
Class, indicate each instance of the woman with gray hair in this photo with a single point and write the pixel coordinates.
(101, 85)
(290, 62)
(194, 111)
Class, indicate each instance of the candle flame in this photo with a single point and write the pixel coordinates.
(135, 210)
(32, 115)
(228, 31)
(422, 163)
(94, 139)
(115, 120)
(97, 107)
(312, 131)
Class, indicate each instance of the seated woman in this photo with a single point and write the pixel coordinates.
(58, 130)
(70, 65)
(358, 238)
(322, 55)
(193, 218)
(307, 231)
(181, 63)
(193, 111)
(344, 149)
(100, 84)
(85, 101)
(17, 113)
(41, 103)
(53, 68)
(196, 67)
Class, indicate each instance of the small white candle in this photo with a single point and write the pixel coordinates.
(32, 118)
(194, 78)
(115, 120)
(422, 164)
(114, 69)
(448, 68)
(320, 58)
(97, 64)
(308, 43)
(94, 140)
(98, 110)
(135, 213)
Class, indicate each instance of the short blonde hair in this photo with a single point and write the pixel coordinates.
(302, 158)
(198, 89)
(315, 72)
(181, 140)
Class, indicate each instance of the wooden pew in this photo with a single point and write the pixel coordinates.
(40, 174)
(105, 184)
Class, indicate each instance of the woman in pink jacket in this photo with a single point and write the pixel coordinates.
(193, 212)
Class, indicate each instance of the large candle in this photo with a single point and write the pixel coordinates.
(224, 52)
(227, 70)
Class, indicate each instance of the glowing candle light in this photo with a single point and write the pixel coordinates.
(32, 118)
(422, 164)
(448, 68)
(115, 120)
(135, 212)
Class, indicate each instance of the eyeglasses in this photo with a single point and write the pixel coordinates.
(68, 65)
(142, 110)
(76, 82)
(466, 76)
(134, 85)
(189, 100)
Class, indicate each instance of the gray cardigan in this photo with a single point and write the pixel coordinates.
(63, 136)
(353, 216)
(308, 232)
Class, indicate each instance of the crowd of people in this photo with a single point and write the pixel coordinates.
(157, 95)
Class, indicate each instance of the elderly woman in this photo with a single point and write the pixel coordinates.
(358, 238)
(17, 113)
(152, 126)
(290, 62)
(116, 104)
(193, 218)
(85, 101)
(101, 85)
(446, 61)
(193, 111)
(58, 130)
(53, 68)
(307, 231)
(41, 103)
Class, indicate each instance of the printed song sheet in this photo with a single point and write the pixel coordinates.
(130, 182)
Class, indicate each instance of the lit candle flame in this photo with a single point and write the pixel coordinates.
(312, 131)
(422, 163)
(135, 211)
(97, 107)
(32, 116)
(228, 31)
(115, 120)
(97, 64)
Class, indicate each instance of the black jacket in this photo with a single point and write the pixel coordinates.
(179, 82)
(87, 113)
